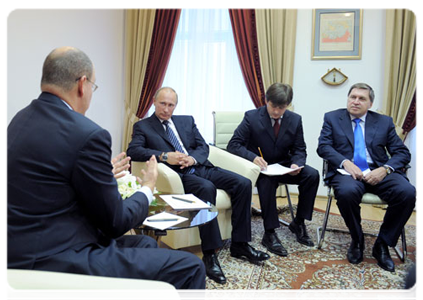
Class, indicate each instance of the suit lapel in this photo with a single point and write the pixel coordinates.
(370, 131)
(267, 123)
(346, 125)
(179, 124)
(158, 127)
(285, 123)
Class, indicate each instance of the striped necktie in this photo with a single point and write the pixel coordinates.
(175, 143)
(360, 159)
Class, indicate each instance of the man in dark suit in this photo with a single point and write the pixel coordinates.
(272, 134)
(65, 212)
(358, 141)
(176, 141)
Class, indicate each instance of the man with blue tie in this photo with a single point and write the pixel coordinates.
(176, 141)
(359, 141)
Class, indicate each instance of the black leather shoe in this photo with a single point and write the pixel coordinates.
(213, 269)
(355, 253)
(240, 250)
(301, 233)
(381, 253)
(273, 244)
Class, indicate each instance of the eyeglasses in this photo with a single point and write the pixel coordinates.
(94, 86)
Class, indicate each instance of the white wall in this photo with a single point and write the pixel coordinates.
(32, 34)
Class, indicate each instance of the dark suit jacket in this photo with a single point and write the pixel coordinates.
(61, 192)
(336, 141)
(149, 138)
(256, 131)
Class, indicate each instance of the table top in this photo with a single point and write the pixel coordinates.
(195, 217)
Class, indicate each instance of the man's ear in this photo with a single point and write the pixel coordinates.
(81, 82)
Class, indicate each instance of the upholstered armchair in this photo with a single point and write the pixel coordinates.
(170, 182)
(47, 280)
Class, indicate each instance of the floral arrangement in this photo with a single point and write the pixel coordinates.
(127, 185)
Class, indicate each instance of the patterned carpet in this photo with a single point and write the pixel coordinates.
(310, 268)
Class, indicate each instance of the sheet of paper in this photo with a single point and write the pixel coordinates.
(163, 220)
(343, 172)
(277, 170)
(184, 202)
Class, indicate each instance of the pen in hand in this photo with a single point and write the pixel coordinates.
(261, 155)
(182, 199)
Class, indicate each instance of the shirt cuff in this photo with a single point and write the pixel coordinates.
(147, 192)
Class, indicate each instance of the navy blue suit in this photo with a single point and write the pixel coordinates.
(64, 210)
(149, 138)
(336, 143)
(256, 131)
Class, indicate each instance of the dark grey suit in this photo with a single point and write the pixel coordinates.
(256, 131)
(149, 138)
(64, 209)
(336, 143)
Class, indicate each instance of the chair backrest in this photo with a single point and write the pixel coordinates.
(224, 125)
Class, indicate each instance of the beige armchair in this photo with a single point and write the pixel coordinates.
(170, 182)
(46, 280)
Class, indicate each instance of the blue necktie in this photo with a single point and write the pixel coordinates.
(175, 143)
(360, 159)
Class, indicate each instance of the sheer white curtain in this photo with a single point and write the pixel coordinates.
(204, 68)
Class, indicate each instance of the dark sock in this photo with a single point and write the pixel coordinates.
(299, 220)
(208, 252)
(270, 230)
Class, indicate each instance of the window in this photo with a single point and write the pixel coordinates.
(204, 68)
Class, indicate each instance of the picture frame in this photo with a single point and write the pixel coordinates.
(337, 33)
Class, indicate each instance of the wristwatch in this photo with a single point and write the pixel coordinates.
(388, 169)
(163, 157)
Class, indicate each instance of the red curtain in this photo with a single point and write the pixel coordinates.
(410, 119)
(164, 32)
(244, 29)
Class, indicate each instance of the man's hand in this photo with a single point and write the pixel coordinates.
(176, 158)
(120, 163)
(375, 176)
(353, 170)
(150, 174)
(294, 166)
(259, 161)
(187, 161)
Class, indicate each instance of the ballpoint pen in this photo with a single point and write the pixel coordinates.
(182, 199)
(162, 220)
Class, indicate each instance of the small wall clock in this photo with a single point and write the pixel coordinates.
(334, 77)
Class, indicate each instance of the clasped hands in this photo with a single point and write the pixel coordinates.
(259, 161)
(372, 178)
(179, 158)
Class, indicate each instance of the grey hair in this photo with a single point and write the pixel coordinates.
(165, 88)
(363, 86)
(63, 68)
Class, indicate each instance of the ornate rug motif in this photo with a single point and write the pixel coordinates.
(311, 268)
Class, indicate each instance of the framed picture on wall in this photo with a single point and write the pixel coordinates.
(337, 33)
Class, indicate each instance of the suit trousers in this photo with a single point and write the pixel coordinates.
(130, 256)
(308, 183)
(203, 184)
(394, 189)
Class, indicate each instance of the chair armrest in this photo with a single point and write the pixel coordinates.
(234, 163)
(35, 279)
(168, 180)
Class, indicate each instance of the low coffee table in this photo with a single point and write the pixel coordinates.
(195, 218)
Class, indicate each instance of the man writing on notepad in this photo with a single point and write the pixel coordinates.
(272, 134)
(176, 141)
